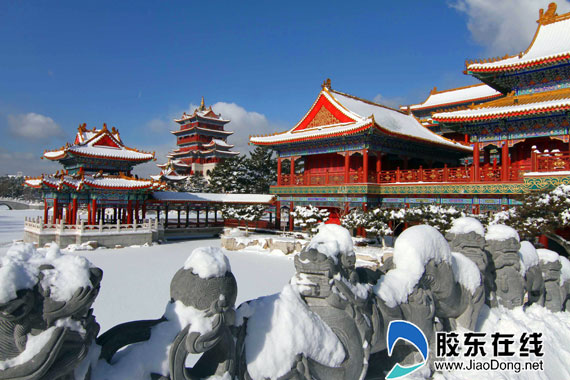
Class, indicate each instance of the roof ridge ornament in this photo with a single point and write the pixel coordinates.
(326, 84)
(202, 106)
(549, 16)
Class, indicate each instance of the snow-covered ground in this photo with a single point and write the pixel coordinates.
(136, 280)
(136, 284)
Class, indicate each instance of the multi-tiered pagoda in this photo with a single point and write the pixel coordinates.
(96, 176)
(201, 144)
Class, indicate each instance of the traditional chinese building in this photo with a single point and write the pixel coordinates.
(201, 144)
(96, 177)
(510, 135)
(527, 130)
(345, 148)
(447, 100)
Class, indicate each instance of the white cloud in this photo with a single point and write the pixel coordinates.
(34, 126)
(394, 102)
(158, 125)
(505, 26)
(26, 162)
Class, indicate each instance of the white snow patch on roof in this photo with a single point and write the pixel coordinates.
(502, 110)
(501, 232)
(280, 327)
(332, 240)
(458, 95)
(553, 40)
(413, 249)
(208, 262)
(547, 256)
(465, 225)
(465, 271)
(213, 197)
(528, 256)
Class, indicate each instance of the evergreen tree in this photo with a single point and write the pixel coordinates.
(230, 176)
(195, 183)
(262, 166)
(308, 218)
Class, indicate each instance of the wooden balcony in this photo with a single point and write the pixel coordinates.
(489, 173)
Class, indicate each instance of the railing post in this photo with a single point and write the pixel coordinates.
(445, 173)
(82, 226)
(421, 172)
(118, 224)
(533, 161)
(100, 224)
(398, 174)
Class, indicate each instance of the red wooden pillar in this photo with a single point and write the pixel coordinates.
(129, 212)
(365, 165)
(505, 161)
(45, 211)
(291, 219)
(476, 175)
(74, 212)
(292, 180)
(445, 173)
(378, 166)
(346, 167)
(94, 211)
(542, 239)
(278, 171)
(55, 211)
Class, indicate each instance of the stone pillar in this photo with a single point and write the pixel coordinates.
(476, 174)
(505, 161)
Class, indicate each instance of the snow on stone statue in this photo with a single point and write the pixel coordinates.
(46, 322)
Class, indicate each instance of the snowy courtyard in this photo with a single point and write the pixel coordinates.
(136, 284)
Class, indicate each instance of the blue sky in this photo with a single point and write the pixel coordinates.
(137, 64)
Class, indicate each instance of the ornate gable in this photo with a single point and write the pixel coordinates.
(323, 112)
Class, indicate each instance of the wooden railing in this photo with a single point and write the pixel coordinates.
(540, 162)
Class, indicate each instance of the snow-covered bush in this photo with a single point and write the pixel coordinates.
(309, 217)
(248, 214)
(437, 216)
(354, 219)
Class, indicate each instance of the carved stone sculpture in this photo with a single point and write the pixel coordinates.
(58, 311)
(530, 269)
(550, 266)
(503, 244)
(199, 294)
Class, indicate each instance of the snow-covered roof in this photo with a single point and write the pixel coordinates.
(551, 44)
(77, 182)
(201, 129)
(363, 115)
(213, 197)
(511, 106)
(202, 112)
(474, 93)
(220, 143)
(99, 143)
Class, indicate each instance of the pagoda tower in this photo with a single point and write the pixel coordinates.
(201, 144)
